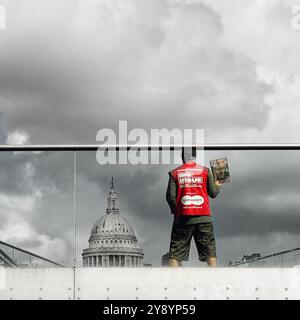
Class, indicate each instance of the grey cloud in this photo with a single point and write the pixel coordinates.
(88, 71)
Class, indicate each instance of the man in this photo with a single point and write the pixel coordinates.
(189, 188)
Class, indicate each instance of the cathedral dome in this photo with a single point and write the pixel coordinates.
(111, 224)
(112, 241)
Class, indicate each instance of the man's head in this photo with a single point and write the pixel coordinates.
(188, 154)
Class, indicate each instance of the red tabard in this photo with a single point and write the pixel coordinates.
(192, 198)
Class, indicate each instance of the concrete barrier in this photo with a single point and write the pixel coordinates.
(152, 283)
(34, 284)
(2, 278)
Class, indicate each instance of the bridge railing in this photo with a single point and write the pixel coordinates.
(15, 257)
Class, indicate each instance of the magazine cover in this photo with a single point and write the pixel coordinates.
(220, 170)
(110, 111)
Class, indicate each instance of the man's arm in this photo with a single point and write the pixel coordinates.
(213, 189)
(171, 193)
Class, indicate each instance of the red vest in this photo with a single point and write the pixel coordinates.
(192, 198)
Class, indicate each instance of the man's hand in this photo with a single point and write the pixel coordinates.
(218, 184)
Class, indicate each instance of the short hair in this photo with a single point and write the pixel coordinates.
(188, 153)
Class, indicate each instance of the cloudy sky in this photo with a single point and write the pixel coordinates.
(70, 68)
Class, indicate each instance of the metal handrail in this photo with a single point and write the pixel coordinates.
(7, 259)
(172, 147)
(30, 253)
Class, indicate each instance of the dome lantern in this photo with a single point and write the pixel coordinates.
(112, 200)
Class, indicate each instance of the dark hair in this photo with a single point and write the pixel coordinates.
(187, 153)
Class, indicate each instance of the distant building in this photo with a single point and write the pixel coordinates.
(112, 242)
(250, 257)
(165, 260)
(244, 259)
(287, 258)
(148, 265)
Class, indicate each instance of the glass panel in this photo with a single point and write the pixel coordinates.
(108, 222)
(36, 209)
(254, 216)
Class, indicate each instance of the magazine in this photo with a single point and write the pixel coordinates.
(220, 170)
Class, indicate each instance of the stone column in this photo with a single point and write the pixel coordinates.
(127, 259)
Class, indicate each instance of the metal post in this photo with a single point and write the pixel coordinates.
(74, 226)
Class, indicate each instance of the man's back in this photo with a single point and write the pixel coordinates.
(189, 187)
